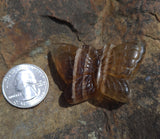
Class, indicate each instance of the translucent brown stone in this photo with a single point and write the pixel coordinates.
(63, 57)
(99, 74)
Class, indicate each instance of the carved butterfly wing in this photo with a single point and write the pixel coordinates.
(120, 64)
(115, 88)
(124, 59)
(84, 75)
(63, 57)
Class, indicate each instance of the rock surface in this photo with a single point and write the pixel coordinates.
(28, 33)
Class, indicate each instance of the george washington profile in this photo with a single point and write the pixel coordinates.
(25, 83)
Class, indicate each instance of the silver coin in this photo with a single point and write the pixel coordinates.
(25, 85)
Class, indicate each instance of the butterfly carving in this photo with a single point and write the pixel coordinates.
(100, 74)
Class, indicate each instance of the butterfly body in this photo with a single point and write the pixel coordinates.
(97, 73)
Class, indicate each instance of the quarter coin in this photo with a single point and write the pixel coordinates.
(25, 85)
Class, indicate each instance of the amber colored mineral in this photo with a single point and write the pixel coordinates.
(97, 73)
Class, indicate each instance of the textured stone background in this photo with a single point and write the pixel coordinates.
(27, 35)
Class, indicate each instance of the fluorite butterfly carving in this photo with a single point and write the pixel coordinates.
(100, 74)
